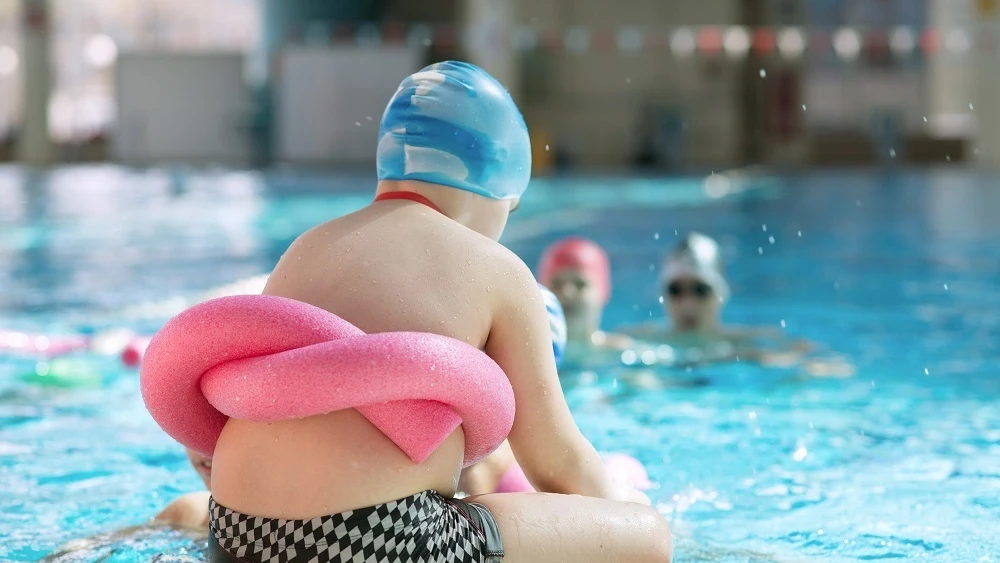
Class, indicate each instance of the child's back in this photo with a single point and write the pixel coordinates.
(453, 161)
(393, 266)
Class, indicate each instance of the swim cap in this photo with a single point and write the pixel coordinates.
(557, 322)
(580, 254)
(453, 124)
(697, 256)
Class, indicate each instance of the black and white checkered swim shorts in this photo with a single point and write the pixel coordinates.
(423, 528)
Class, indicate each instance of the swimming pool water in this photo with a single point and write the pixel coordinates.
(898, 271)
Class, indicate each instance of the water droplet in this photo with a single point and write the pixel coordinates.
(975, 152)
(770, 239)
(763, 73)
(948, 157)
(970, 106)
(760, 250)
(358, 123)
(782, 323)
(892, 153)
(763, 227)
(469, 262)
(546, 148)
(946, 287)
(803, 107)
(800, 454)
(656, 236)
(368, 117)
(753, 415)
(927, 371)
(675, 231)
(925, 119)
(820, 532)
(800, 234)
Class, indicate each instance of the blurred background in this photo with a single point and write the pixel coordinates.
(603, 85)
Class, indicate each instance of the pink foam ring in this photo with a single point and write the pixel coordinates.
(41, 344)
(622, 469)
(627, 470)
(514, 481)
(134, 351)
(264, 358)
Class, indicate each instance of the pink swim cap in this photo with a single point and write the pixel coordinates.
(580, 254)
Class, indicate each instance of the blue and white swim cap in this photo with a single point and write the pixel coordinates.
(453, 124)
(557, 322)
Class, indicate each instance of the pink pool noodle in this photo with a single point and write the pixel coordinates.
(623, 469)
(266, 359)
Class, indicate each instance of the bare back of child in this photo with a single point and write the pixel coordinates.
(453, 162)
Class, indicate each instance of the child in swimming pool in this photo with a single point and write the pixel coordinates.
(191, 510)
(578, 272)
(453, 160)
(188, 512)
(694, 292)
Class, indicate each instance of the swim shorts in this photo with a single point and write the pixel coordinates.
(423, 528)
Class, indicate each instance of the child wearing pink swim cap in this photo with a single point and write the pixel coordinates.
(578, 272)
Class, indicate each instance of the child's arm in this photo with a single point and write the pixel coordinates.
(550, 448)
(188, 511)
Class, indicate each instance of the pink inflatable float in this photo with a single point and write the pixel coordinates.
(623, 469)
(266, 359)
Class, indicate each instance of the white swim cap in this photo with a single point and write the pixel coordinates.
(697, 256)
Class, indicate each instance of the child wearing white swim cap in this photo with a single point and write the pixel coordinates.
(694, 291)
(694, 285)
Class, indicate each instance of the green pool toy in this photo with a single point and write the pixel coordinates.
(65, 373)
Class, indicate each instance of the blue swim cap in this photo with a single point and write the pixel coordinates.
(557, 322)
(453, 124)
